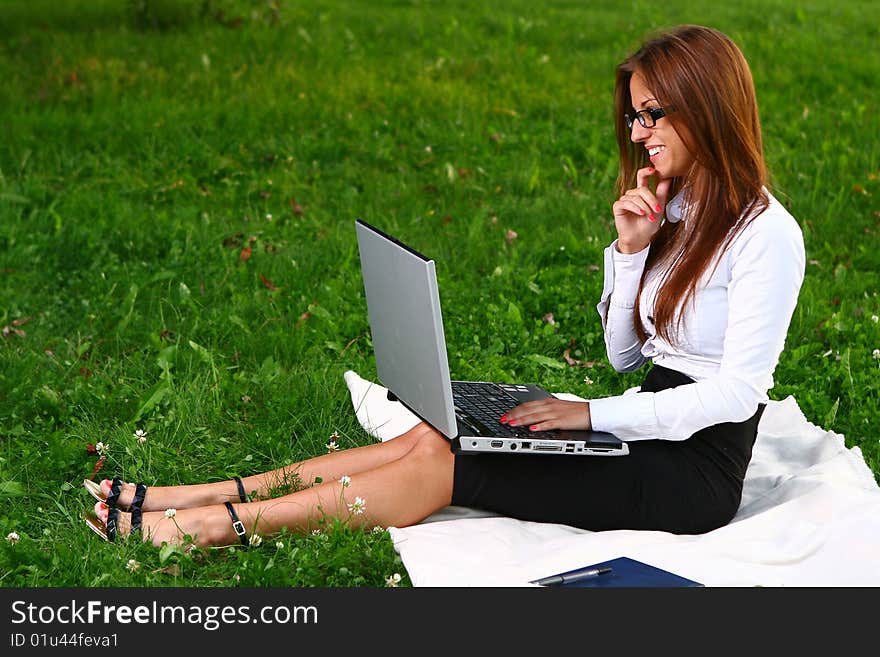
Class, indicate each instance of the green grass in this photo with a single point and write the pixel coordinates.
(178, 253)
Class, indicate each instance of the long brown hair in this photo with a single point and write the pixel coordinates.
(705, 76)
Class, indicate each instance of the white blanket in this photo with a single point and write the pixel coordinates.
(810, 516)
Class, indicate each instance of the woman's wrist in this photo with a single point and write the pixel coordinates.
(629, 248)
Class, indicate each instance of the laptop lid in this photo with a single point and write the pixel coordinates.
(408, 338)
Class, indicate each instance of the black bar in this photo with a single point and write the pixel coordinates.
(409, 621)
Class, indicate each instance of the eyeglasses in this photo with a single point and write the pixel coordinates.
(648, 117)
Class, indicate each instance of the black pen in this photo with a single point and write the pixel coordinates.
(576, 576)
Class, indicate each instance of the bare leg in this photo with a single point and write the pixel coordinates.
(399, 492)
(327, 467)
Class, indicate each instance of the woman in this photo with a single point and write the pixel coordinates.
(702, 281)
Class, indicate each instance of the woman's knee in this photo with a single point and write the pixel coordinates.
(422, 436)
(430, 443)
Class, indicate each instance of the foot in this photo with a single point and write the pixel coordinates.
(159, 498)
(204, 526)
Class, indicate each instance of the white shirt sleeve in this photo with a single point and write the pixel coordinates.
(623, 271)
(766, 272)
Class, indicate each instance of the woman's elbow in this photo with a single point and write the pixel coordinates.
(626, 362)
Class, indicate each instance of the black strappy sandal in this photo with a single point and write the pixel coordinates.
(109, 532)
(112, 499)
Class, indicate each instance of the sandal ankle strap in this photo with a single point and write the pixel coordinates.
(242, 495)
(237, 525)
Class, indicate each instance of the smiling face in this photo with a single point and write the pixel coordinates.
(666, 150)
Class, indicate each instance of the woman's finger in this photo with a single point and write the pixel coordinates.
(646, 196)
(644, 175)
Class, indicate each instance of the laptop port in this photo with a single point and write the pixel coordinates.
(496, 444)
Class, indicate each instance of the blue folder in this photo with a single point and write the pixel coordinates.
(628, 572)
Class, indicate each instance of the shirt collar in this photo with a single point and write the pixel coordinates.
(677, 208)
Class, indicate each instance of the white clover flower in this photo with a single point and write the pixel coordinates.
(393, 580)
(13, 537)
(132, 565)
(279, 545)
(345, 480)
(378, 529)
(876, 353)
(141, 436)
(316, 532)
(875, 319)
(255, 540)
(268, 217)
(358, 506)
(102, 448)
(333, 445)
(588, 380)
(170, 513)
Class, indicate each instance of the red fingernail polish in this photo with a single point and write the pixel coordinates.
(502, 419)
(651, 217)
(534, 427)
(512, 423)
(658, 208)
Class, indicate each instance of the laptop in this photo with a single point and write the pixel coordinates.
(403, 303)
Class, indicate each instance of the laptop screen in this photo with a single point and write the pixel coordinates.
(403, 303)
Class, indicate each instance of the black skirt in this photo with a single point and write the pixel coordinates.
(684, 487)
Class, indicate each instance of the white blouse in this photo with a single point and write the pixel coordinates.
(732, 332)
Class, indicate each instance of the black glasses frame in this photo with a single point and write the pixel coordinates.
(648, 118)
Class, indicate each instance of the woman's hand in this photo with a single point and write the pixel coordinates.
(637, 212)
(550, 413)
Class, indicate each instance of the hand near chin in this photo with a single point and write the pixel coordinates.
(545, 414)
(638, 212)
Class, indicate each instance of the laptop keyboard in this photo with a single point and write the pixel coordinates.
(486, 402)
